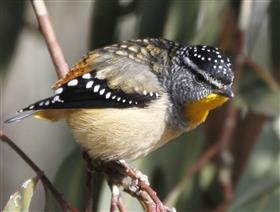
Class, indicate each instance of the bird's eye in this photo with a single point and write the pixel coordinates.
(199, 78)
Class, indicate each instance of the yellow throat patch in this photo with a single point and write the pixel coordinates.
(196, 112)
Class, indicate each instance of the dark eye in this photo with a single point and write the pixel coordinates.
(199, 78)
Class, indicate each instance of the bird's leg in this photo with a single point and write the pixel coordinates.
(114, 178)
(115, 192)
(89, 182)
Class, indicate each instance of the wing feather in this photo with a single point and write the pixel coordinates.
(117, 76)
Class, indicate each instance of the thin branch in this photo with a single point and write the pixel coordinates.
(265, 75)
(89, 182)
(45, 181)
(226, 157)
(47, 30)
(229, 125)
(120, 205)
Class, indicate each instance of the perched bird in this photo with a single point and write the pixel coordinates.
(125, 100)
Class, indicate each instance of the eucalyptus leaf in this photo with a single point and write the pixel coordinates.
(11, 23)
(21, 199)
(258, 189)
(262, 101)
(70, 181)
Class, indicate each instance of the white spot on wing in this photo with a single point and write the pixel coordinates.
(86, 76)
(89, 84)
(102, 91)
(73, 82)
(107, 96)
(57, 99)
(96, 88)
(59, 91)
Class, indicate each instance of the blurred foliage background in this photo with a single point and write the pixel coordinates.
(229, 163)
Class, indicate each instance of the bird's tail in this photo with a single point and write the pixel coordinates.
(50, 115)
(20, 116)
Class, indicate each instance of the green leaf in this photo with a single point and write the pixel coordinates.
(181, 21)
(256, 95)
(11, 23)
(261, 101)
(104, 23)
(70, 181)
(274, 34)
(258, 189)
(151, 22)
(20, 200)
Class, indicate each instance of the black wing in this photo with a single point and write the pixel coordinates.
(87, 91)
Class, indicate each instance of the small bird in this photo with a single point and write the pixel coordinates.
(128, 99)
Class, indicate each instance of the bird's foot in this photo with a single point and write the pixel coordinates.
(139, 187)
(116, 201)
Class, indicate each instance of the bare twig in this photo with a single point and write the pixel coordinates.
(229, 124)
(226, 158)
(120, 205)
(265, 75)
(47, 30)
(45, 181)
(116, 199)
(89, 183)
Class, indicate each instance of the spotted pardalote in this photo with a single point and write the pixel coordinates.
(126, 100)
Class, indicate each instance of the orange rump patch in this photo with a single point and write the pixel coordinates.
(83, 66)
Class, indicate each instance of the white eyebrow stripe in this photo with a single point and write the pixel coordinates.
(207, 77)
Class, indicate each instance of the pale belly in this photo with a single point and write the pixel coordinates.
(110, 134)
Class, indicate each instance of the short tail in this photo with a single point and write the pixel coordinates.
(39, 110)
(20, 116)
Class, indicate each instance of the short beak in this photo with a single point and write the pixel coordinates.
(227, 92)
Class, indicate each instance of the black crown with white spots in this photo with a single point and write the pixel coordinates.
(209, 60)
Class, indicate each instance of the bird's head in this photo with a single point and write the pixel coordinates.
(201, 80)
